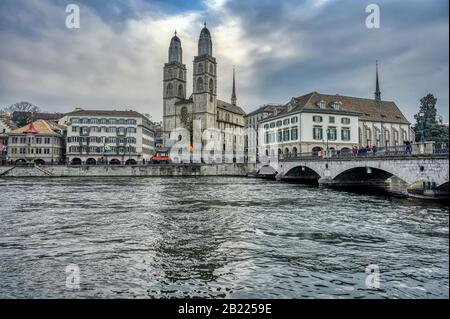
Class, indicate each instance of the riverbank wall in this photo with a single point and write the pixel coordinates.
(127, 171)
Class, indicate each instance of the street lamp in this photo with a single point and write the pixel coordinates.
(422, 120)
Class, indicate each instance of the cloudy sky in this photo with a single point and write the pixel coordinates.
(280, 49)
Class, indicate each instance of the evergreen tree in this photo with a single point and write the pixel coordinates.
(426, 121)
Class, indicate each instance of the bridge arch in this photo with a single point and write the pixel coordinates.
(365, 175)
(302, 174)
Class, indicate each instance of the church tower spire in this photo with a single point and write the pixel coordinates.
(205, 81)
(233, 94)
(174, 85)
(377, 85)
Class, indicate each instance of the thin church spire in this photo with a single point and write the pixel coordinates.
(377, 85)
(233, 94)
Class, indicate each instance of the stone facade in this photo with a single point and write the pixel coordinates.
(203, 105)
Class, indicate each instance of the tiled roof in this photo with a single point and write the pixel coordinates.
(6, 120)
(113, 113)
(368, 109)
(40, 127)
(267, 108)
(230, 107)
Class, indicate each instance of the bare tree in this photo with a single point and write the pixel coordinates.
(21, 107)
(24, 110)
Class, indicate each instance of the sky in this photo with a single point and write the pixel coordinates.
(280, 49)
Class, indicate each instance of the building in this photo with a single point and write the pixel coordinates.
(6, 126)
(203, 104)
(113, 137)
(316, 121)
(40, 142)
(253, 119)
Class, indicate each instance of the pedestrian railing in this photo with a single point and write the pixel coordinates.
(394, 151)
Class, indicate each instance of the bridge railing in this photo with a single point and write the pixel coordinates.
(399, 151)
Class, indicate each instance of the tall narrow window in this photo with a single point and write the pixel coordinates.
(199, 84)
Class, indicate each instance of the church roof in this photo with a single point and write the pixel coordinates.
(367, 109)
(230, 107)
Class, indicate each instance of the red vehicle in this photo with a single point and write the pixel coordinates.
(161, 157)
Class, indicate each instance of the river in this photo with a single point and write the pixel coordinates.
(220, 237)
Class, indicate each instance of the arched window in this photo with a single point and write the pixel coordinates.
(180, 90)
(180, 75)
(184, 114)
(211, 89)
(200, 68)
(169, 73)
(199, 84)
(169, 90)
(211, 69)
(211, 85)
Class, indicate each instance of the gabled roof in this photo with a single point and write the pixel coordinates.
(368, 109)
(6, 120)
(270, 108)
(230, 107)
(39, 127)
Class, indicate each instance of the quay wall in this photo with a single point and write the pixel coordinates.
(129, 170)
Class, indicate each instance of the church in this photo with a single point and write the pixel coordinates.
(202, 104)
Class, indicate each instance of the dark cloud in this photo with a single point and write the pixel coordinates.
(281, 48)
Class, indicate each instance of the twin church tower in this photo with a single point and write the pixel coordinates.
(203, 104)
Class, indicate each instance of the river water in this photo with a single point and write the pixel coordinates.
(220, 237)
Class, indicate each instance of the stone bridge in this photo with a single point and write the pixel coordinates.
(417, 173)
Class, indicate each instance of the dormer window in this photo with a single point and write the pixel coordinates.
(322, 104)
(336, 105)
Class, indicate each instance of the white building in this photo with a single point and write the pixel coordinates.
(316, 121)
(113, 137)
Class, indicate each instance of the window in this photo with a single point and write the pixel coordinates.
(345, 134)
(272, 125)
(336, 105)
(294, 133)
(286, 135)
(279, 123)
(286, 122)
(294, 119)
(317, 133)
(266, 138)
(317, 119)
(280, 136)
(169, 90)
(345, 120)
(266, 126)
(200, 68)
(331, 119)
(74, 128)
(332, 134)
(199, 84)
(322, 104)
